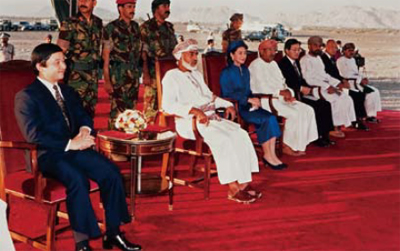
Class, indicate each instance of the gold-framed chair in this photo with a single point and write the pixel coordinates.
(196, 149)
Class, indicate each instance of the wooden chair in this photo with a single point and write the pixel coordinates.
(213, 64)
(196, 149)
(15, 180)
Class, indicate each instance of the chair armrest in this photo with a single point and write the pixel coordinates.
(270, 97)
(198, 138)
(17, 145)
(319, 91)
(354, 80)
(39, 181)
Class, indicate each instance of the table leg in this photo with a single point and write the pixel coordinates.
(134, 164)
(139, 174)
(164, 165)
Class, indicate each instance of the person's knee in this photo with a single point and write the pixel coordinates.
(78, 183)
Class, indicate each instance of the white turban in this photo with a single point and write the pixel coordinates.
(187, 45)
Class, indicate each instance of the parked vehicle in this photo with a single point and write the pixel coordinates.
(5, 25)
(255, 36)
(277, 32)
(50, 24)
(38, 26)
(23, 26)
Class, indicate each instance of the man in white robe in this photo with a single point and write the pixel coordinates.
(358, 82)
(186, 94)
(313, 71)
(266, 78)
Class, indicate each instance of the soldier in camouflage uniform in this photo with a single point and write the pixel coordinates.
(158, 37)
(121, 54)
(233, 33)
(80, 39)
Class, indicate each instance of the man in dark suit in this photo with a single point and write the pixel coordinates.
(358, 97)
(291, 70)
(51, 116)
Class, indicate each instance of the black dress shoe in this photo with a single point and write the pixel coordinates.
(373, 120)
(82, 246)
(359, 125)
(321, 142)
(283, 165)
(331, 142)
(120, 242)
(275, 167)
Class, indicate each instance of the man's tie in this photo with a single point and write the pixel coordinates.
(299, 76)
(60, 102)
(296, 68)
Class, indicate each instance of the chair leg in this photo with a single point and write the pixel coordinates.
(50, 228)
(57, 220)
(171, 181)
(8, 207)
(207, 170)
(103, 214)
(192, 164)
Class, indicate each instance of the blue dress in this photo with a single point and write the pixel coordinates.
(235, 84)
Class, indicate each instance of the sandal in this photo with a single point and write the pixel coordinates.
(252, 192)
(242, 197)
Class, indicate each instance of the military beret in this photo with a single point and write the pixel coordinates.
(236, 17)
(125, 1)
(5, 35)
(157, 3)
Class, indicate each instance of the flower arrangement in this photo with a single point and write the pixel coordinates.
(131, 121)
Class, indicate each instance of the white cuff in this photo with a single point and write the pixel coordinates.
(67, 147)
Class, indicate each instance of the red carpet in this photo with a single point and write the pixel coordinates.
(346, 197)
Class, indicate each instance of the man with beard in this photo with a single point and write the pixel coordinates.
(291, 70)
(185, 94)
(233, 33)
(158, 37)
(80, 40)
(328, 57)
(121, 54)
(313, 70)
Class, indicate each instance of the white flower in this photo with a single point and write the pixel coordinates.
(131, 121)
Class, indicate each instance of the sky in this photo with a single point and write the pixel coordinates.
(254, 7)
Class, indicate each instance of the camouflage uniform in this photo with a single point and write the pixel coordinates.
(83, 57)
(231, 35)
(124, 43)
(158, 41)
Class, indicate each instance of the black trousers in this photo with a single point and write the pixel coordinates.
(358, 100)
(323, 115)
(73, 169)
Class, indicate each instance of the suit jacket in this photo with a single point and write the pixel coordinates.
(330, 67)
(293, 80)
(41, 121)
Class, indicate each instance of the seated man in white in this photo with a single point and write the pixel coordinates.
(348, 69)
(313, 71)
(266, 78)
(185, 94)
(6, 242)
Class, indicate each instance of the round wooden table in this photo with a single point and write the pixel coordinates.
(147, 145)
